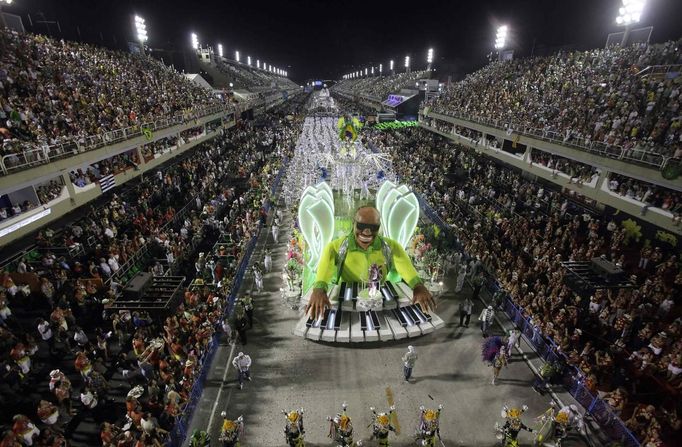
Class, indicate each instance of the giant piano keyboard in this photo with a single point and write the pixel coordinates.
(347, 322)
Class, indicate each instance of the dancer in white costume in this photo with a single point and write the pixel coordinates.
(267, 261)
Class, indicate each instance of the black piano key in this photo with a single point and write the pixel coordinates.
(410, 321)
(418, 309)
(342, 292)
(363, 320)
(323, 324)
(391, 289)
(337, 319)
(309, 322)
(356, 287)
(412, 314)
(401, 318)
(375, 319)
(386, 294)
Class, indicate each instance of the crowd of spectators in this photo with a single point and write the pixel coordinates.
(54, 91)
(651, 195)
(625, 342)
(578, 172)
(379, 87)
(49, 191)
(67, 362)
(583, 97)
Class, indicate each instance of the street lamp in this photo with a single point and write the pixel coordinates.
(141, 30)
(195, 41)
(407, 64)
(236, 56)
(220, 49)
(629, 14)
(429, 58)
(501, 37)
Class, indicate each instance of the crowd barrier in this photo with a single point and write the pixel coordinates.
(179, 433)
(571, 378)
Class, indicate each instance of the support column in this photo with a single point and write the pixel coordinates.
(69, 186)
(140, 157)
(603, 177)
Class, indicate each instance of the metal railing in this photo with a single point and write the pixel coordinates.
(34, 155)
(572, 378)
(631, 155)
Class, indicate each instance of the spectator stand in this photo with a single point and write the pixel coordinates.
(572, 379)
(179, 433)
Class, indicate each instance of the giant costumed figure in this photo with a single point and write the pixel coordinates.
(509, 432)
(231, 431)
(293, 430)
(381, 426)
(428, 429)
(341, 428)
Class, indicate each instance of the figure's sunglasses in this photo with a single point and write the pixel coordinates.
(374, 228)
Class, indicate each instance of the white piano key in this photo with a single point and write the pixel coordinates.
(404, 292)
(437, 321)
(343, 334)
(371, 334)
(301, 328)
(394, 325)
(413, 329)
(356, 332)
(314, 332)
(334, 295)
(329, 334)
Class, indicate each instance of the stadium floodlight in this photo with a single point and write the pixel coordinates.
(195, 41)
(257, 63)
(429, 55)
(390, 65)
(366, 71)
(501, 37)
(630, 12)
(407, 63)
(220, 49)
(141, 29)
(381, 68)
(372, 69)
(236, 55)
(248, 60)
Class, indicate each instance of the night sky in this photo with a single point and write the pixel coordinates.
(326, 39)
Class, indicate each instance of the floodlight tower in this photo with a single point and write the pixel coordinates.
(141, 30)
(391, 67)
(236, 56)
(629, 14)
(2, 18)
(407, 64)
(381, 69)
(501, 39)
(429, 59)
(195, 41)
(220, 50)
(248, 60)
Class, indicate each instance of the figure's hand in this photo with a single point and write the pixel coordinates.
(422, 296)
(317, 304)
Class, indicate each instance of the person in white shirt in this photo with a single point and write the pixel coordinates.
(275, 230)
(267, 261)
(113, 264)
(486, 319)
(242, 363)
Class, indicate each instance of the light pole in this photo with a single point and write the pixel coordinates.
(141, 29)
(2, 17)
(220, 50)
(407, 64)
(628, 15)
(195, 41)
(429, 59)
(391, 66)
(236, 56)
(248, 60)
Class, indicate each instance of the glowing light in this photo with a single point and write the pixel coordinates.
(220, 50)
(501, 37)
(630, 12)
(316, 220)
(141, 29)
(195, 41)
(429, 55)
(407, 61)
(399, 210)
